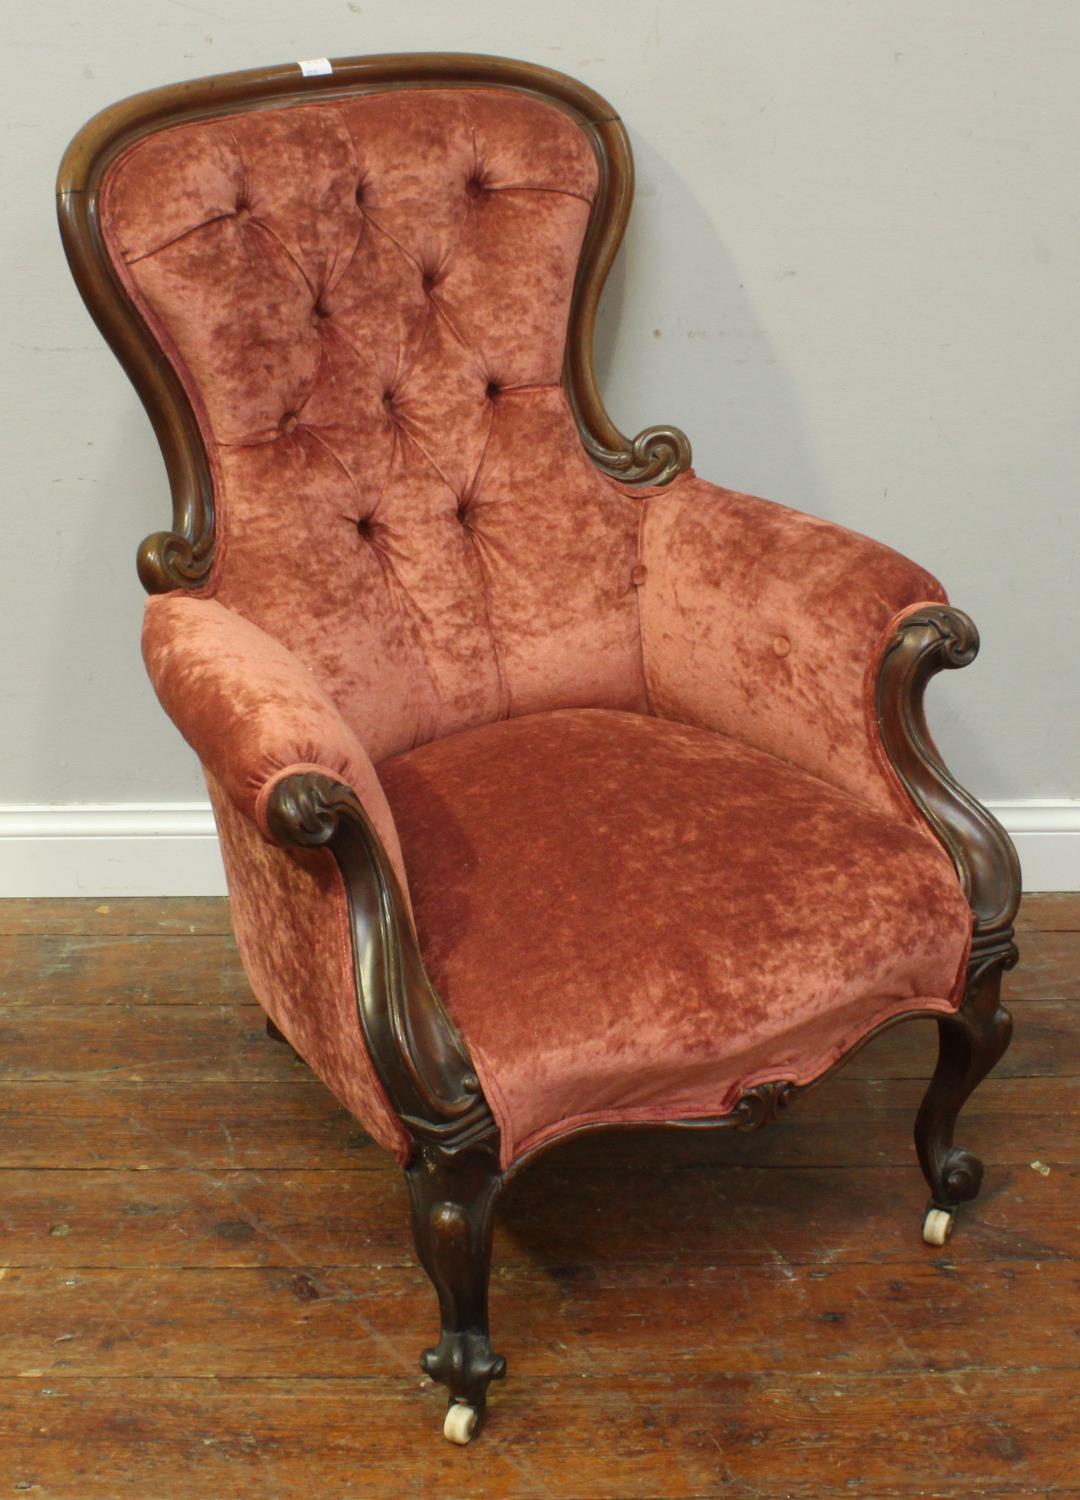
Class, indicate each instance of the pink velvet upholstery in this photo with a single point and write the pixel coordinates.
(291, 918)
(765, 623)
(253, 714)
(636, 920)
(251, 711)
(366, 301)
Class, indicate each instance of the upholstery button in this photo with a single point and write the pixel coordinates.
(463, 512)
(243, 208)
(428, 280)
(360, 190)
(638, 574)
(474, 186)
(364, 527)
(320, 309)
(781, 645)
(493, 390)
(288, 423)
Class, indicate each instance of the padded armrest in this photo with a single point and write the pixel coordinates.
(769, 625)
(252, 712)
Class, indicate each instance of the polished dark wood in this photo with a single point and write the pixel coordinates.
(933, 639)
(420, 1058)
(182, 557)
(424, 1066)
(415, 1047)
(454, 1174)
(453, 1195)
(971, 1042)
(204, 1297)
(930, 640)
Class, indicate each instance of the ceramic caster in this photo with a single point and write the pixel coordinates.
(937, 1226)
(460, 1423)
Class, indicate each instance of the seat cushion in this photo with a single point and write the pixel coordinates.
(632, 919)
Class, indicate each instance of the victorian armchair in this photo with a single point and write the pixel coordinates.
(557, 788)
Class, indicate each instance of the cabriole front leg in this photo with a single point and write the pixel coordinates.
(424, 1066)
(932, 638)
(971, 1042)
(453, 1199)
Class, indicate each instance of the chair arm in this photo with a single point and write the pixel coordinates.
(924, 641)
(418, 1053)
(252, 712)
(281, 753)
(768, 625)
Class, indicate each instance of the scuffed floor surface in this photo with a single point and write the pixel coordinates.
(209, 1289)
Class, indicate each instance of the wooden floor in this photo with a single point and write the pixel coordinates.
(210, 1291)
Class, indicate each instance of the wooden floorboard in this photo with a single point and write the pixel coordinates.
(1050, 911)
(295, 1124)
(126, 917)
(207, 1287)
(359, 1321)
(165, 968)
(595, 1437)
(227, 1040)
(554, 1215)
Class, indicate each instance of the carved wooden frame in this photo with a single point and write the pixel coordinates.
(182, 557)
(453, 1173)
(932, 639)
(420, 1058)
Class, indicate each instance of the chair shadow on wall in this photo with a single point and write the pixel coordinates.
(716, 373)
(711, 368)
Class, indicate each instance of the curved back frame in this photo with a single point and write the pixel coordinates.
(181, 558)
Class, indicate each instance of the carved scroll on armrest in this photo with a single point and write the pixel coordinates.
(417, 1051)
(932, 639)
(655, 456)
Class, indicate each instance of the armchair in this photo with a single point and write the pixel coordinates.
(557, 789)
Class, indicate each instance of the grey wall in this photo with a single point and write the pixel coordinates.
(851, 277)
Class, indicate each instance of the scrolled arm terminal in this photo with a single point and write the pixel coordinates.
(930, 639)
(415, 1047)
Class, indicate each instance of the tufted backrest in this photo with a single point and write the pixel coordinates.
(366, 300)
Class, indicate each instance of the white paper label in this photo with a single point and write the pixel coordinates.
(314, 66)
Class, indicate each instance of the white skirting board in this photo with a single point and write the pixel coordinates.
(170, 848)
(111, 849)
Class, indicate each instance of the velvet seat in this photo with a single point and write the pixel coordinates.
(556, 787)
(631, 919)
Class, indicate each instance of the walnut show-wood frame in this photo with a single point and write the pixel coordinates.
(453, 1174)
(182, 557)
